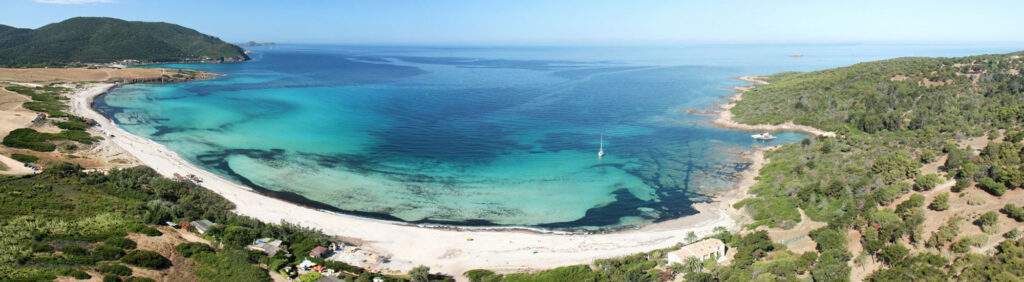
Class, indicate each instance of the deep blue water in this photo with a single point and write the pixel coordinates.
(477, 136)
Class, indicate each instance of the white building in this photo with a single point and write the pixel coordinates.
(703, 249)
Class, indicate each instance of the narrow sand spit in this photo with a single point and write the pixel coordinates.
(446, 250)
(725, 116)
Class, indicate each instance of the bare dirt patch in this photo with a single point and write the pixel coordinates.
(77, 74)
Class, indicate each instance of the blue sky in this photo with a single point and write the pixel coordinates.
(557, 22)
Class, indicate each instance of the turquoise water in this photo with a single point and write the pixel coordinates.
(476, 136)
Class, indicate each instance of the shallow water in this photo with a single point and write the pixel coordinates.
(476, 136)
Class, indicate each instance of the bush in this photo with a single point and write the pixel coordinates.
(964, 244)
(71, 124)
(191, 248)
(111, 278)
(107, 252)
(960, 185)
(940, 203)
(24, 158)
(987, 221)
(1013, 211)
(228, 265)
(992, 187)
(476, 275)
(121, 242)
(75, 250)
(77, 274)
(892, 254)
(114, 269)
(147, 259)
(40, 247)
(927, 182)
(27, 138)
(148, 231)
(238, 235)
(139, 279)
(895, 167)
(310, 276)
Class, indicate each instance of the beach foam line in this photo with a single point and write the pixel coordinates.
(448, 251)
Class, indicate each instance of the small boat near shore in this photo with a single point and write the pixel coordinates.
(766, 136)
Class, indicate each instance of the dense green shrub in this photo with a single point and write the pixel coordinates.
(75, 250)
(992, 187)
(111, 278)
(1013, 211)
(73, 124)
(147, 259)
(227, 265)
(107, 252)
(895, 167)
(945, 234)
(77, 274)
(940, 203)
(27, 138)
(24, 158)
(120, 242)
(987, 221)
(927, 182)
(148, 231)
(139, 279)
(892, 254)
(114, 269)
(191, 248)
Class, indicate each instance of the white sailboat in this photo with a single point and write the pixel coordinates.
(600, 150)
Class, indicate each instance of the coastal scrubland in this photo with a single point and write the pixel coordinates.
(65, 222)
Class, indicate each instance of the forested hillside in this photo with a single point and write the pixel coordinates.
(101, 40)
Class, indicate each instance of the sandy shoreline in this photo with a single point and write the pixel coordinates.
(444, 250)
(725, 118)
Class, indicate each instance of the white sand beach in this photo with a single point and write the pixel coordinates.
(442, 249)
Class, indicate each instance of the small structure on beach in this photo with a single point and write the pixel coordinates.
(202, 225)
(319, 252)
(704, 249)
(269, 246)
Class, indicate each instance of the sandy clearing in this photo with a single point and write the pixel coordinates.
(76, 74)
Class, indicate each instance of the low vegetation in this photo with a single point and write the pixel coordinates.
(63, 222)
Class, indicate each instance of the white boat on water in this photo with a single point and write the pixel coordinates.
(763, 136)
(600, 150)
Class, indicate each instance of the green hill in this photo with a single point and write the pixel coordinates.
(100, 40)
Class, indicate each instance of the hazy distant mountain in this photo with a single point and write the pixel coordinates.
(100, 40)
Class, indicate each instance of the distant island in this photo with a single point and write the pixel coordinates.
(256, 44)
(85, 40)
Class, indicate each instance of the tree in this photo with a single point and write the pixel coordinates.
(940, 203)
(420, 274)
(691, 237)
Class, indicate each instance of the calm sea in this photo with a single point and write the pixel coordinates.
(478, 136)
